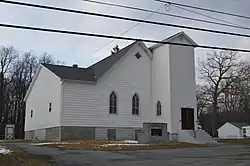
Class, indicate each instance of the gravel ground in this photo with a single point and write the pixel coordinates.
(221, 155)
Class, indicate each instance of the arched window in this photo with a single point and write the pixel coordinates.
(158, 108)
(113, 103)
(135, 104)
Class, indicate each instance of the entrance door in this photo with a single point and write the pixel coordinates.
(187, 118)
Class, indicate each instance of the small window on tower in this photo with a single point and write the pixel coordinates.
(138, 55)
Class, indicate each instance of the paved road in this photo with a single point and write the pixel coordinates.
(222, 155)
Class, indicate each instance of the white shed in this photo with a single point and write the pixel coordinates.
(231, 130)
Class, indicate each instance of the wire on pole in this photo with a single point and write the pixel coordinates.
(123, 18)
(204, 9)
(226, 23)
(116, 37)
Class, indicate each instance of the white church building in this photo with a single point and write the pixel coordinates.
(114, 97)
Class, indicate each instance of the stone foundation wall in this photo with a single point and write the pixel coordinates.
(64, 133)
(173, 137)
(121, 133)
(77, 133)
(53, 134)
(145, 136)
(50, 134)
(40, 134)
(29, 135)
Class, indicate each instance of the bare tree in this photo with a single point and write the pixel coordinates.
(203, 100)
(22, 73)
(49, 59)
(7, 56)
(46, 58)
(17, 71)
(218, 72)
(239, 91)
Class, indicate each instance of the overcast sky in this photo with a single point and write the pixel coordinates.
(77, 49)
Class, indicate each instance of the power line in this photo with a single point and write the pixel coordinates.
(229, 24)
(204, 9)
(122, 18)
(116, 37)
(214, 18)
(126, 31)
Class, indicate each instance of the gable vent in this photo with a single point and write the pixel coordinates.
(138, 55)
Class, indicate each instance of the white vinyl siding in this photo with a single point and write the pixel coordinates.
(46, 89)
(182, 82)
(229, 131)
(173, 82)
(88, 104)
(161, 85)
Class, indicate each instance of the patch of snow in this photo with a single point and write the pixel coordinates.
(130, 142)
(3, 150)
(54, 143)
(107, 145)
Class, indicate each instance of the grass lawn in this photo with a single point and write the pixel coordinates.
(102, 146)
(21, 158)
(237, 141)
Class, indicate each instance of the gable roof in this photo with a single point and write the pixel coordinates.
(104, 65)
(239, 124)
(71, 73)
(97, 70)
(192, 42)
(93, 72)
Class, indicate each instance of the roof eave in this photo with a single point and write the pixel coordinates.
(32, 82)
(79, 81)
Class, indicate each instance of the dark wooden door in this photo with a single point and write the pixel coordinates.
(187, 118)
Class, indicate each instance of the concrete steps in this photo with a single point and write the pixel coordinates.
(195, 136)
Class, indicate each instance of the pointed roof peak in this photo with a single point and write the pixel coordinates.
(93, 72)
(172, 37)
